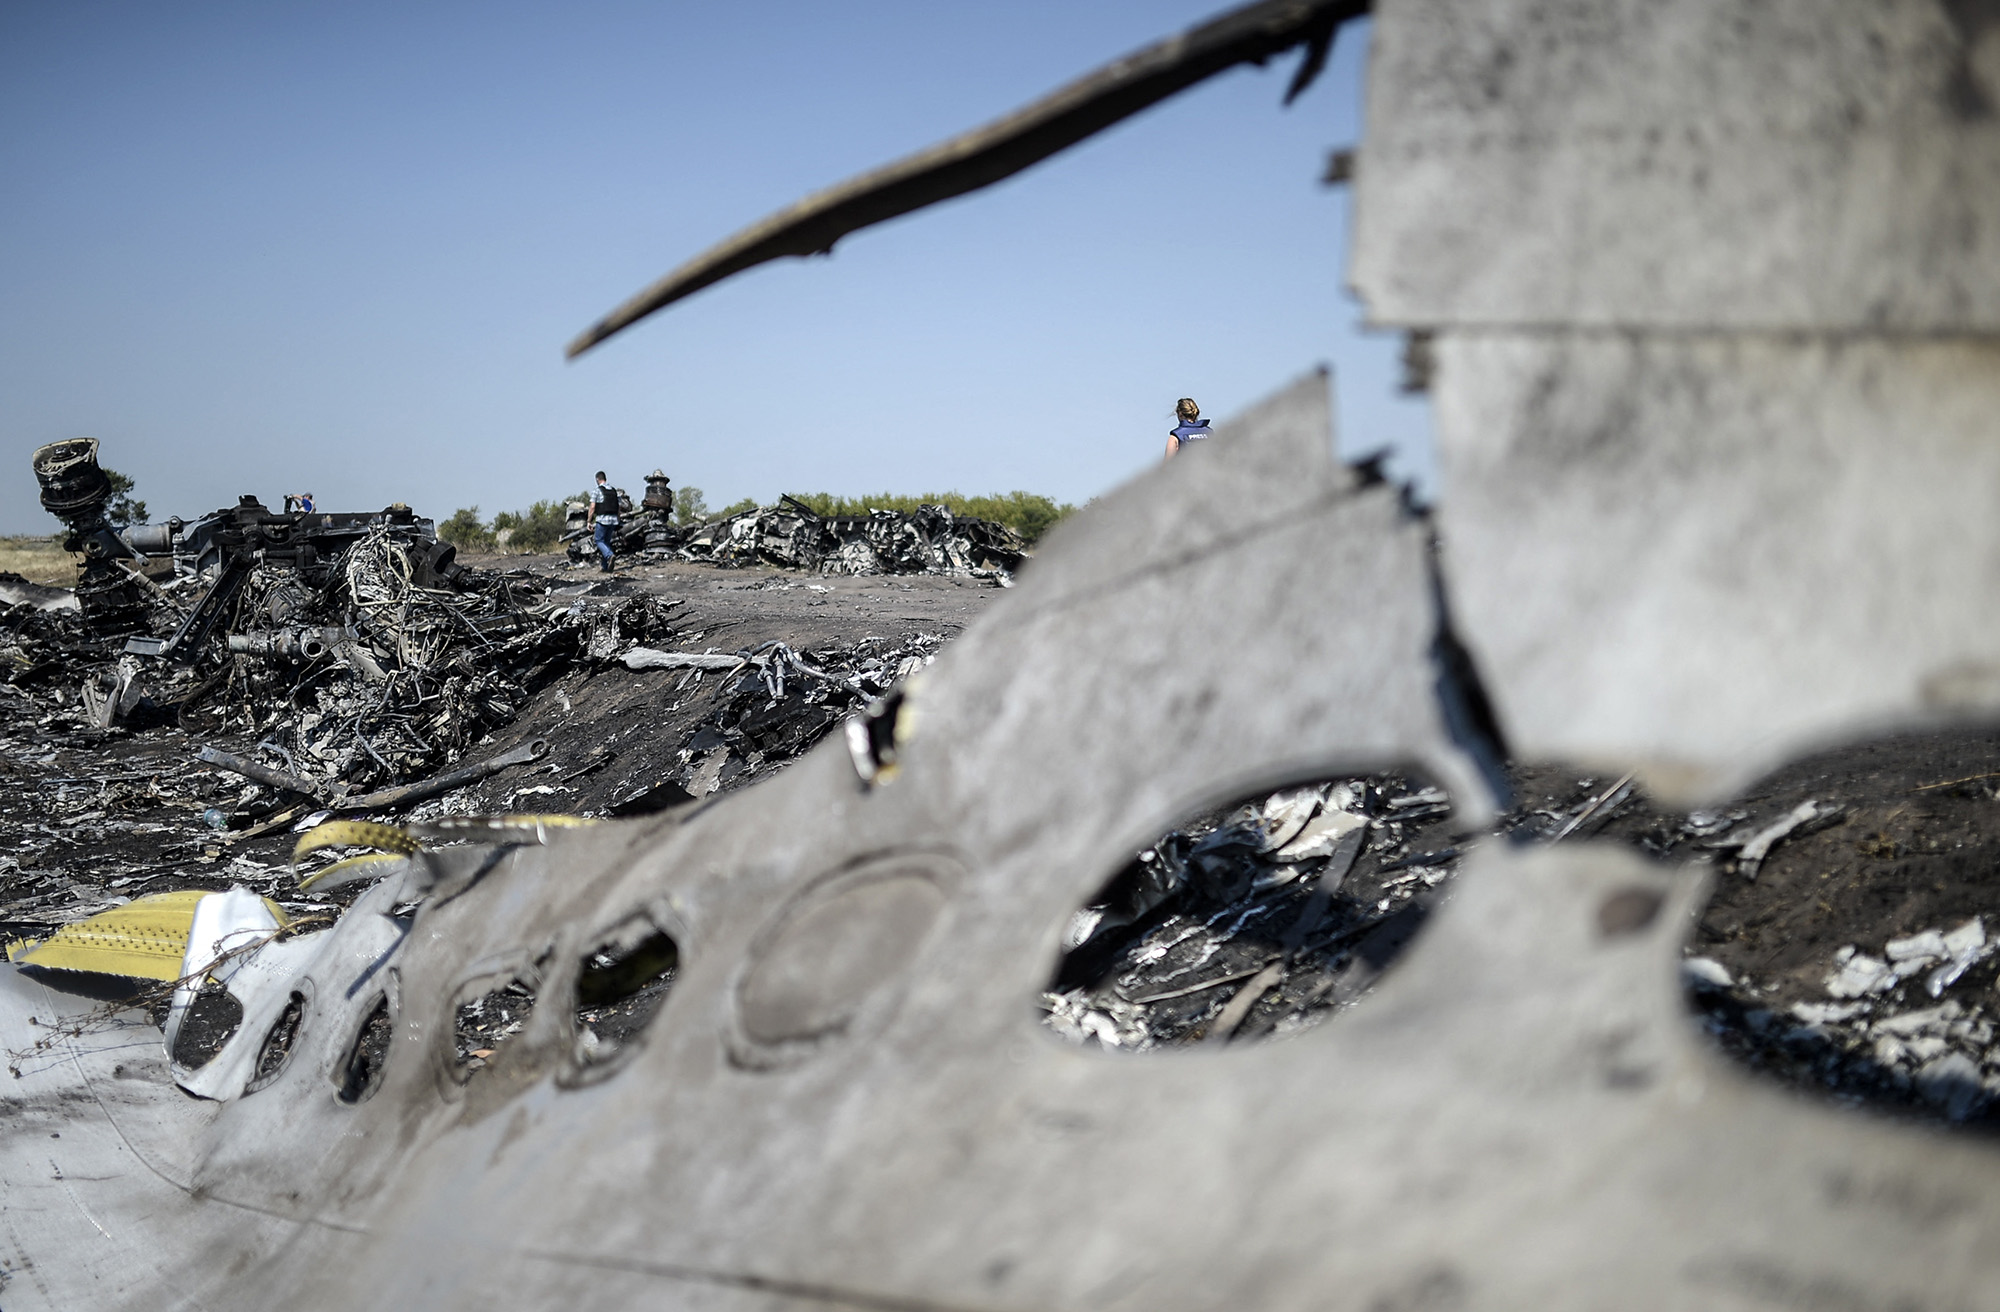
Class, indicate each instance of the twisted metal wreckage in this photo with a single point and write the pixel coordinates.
(791, 534)
(1711, 295)
(369, 654)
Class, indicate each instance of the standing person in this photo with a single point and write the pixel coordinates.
(603, 519)
(1192, 427)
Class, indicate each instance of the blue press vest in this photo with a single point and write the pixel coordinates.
(1194, 432)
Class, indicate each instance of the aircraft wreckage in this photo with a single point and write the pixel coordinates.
(1711, 300)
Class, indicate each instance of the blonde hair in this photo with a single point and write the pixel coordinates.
(1186, 410)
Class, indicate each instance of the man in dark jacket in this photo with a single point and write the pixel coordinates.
(603, 519)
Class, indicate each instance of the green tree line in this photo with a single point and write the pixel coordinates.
(537, 529)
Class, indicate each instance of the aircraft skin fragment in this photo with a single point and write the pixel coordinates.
(1802, 165)
(1702, 556)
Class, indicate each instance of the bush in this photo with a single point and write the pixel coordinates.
(535, 529)
(747, 503)
(1024, 512)
(465, 531)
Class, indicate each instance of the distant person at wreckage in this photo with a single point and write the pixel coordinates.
(603, 519)
(1192, 427)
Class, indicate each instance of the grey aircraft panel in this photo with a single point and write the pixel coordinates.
(1799, 164)
(97, 1158)
(1703, 556)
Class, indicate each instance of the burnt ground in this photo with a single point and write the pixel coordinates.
(1236, 944)
(613, 732)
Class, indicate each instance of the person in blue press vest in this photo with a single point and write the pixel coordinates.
(603, 519)
(1192, 427)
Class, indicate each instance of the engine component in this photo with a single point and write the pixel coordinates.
(75, 489)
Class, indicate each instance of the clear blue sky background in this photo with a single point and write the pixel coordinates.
(257, 247)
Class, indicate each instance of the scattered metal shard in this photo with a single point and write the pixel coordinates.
(1002, 148)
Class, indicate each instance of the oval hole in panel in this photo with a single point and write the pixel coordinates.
(368, 1055)
(275, 1053)
(1256, 918)
(620, 986)
(482, 1024)
(1851, 946)
(211, 1021)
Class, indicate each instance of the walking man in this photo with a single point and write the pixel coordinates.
(603, 519)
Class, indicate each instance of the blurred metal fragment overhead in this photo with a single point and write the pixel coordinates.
(1002, 148)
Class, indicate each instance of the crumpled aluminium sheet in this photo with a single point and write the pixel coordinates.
(848, 1100)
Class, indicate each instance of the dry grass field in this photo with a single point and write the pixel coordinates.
(38, 560)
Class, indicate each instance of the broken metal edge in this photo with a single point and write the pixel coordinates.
(1004, 147)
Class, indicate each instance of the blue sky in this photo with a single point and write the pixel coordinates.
(260, 247)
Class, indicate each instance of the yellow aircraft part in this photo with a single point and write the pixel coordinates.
(354, 833)
(474, 828)
(144, 939)
(395, 844)
(348, 866)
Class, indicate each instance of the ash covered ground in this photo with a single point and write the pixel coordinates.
(1844, 952)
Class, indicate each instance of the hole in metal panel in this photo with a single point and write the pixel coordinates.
(276, 1049)
(1850, 948)
(361, 1073)
(1255, 919)
(481, 1026)
(1856, 954)
(212, 1019)
(619, 989)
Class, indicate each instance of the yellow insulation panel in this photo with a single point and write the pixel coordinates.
(144, 939)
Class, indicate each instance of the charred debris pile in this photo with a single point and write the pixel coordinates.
(1851, 948)
(792, 535)
(351, 649)
(213, 686)
(348, 662)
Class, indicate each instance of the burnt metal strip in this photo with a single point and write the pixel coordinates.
(1002, 148)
